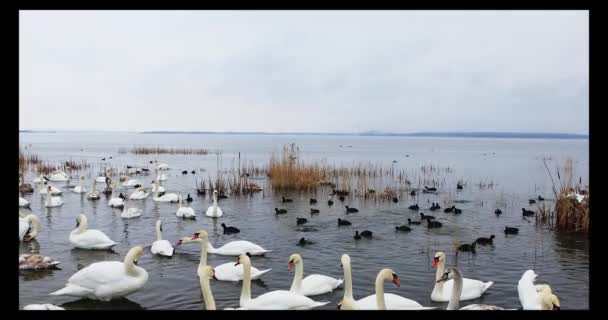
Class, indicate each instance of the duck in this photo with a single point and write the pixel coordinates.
(304, 242)
(541, 198)
(222, 196)
(402, 228)
(511, 230)
(224, 272)
(161, 247)
(29, 226)
(52, 201)
(139, 194)
(313, 211)
(330, 202)
(433, 224)
(365, 233)
(185, 172)
(167, 197)
(497, 212)
(24, 187)
(230, 230)
(214, 211)
(107, 280)
(378, 301)
(301, 221)
(351, 210)
(130, 212)
(427, 217)
(472, 289)
(448, 210)
(526, 213)
(94, 194)
(286, 200)
(84, 238)
(468, 247)
(274, 300)
(23, 203)
(410, 222)
(535, 297)
(413, 193)
(189, 198)
(45, 306)
(184, 212)
(36, 262)
(414, 207)
(456, 210)
(313, 284)
(458, 186)
(280, 211)
(342, 222)
(485, 241)
(206, 273)
(313, 201)
(456, 276)
(117, 202)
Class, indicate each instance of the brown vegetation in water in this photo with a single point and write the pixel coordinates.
(288, 172)
(140, 150)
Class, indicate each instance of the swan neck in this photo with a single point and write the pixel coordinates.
(35, 224)
(456, 292)
(207, 295)
(94, 187)
(82, 226)
(439, 274)
(159, 235)
(129, 265)
(246, 292)
(204, 244)
(380, 291)
(297, 277)
(214, 203)
(348, 282)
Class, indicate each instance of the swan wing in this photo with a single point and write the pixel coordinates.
(162, 247)
(316, 284)
(481, 307)
(91, 239)
(23, 227)
(229, 272)
(282, 300)
(46, 306)
(528, 297)
(392, 301)
(471, 289)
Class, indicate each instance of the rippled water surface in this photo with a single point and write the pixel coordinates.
(514, 166)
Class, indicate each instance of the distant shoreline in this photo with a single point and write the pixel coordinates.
(485, 134)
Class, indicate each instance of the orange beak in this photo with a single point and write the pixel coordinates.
(435, 261)
(396, 281)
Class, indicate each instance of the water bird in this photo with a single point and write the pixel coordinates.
(435, 206)
(511, 230)
(286, 200)
(36, 262)
(214, 211)
(351, 210)
(313, 211)
(52, 201)
(535, 297)
(526, 213)
(280, 211)
(365, 234)
(185, 172)
(532, 201)
(427, 217)
(222, 196)
(485, 241)
(304, 242)
(467, 247)
(29, 226)
(343, 222)
(447, 210)
(456, 210)
(395, 200)
(458, 186)
(313, 201)
(472, 289)
(193, 171)
(433, 224)
(456, 292)
(403, 228)
(341, 198)
(230, 230)
(414, 207)
(84, 238)
(413, 193)
(301, 221)
(498, 212)
(159, 246)
(541, 198)
(330, 202)
(410, 222)
(427, 189)
(188, 198)
(130, 212)
(312, 285)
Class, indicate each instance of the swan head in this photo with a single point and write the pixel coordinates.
(207, 271)
(450, 274)
(81, 220)
(243, 259)
(183, 240)
(549, 301)
(389, 274)
(35, 221)
(136, 253)
(200, 234)
(345, 304)
(293, 260)
(439, 257)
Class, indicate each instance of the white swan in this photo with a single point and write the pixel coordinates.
(58, 176)
(378, 301)
(214, 211)
(539, 297)
(93, 195)
(237, 248)
(224, 272)
(456, 275)
(23, 203)
(29, 226)
(130, 183)
(100, 179)
(117, 202)
(161, 177)
(472, 289)
(79, 188)
(89, 239)
(44, 190)
(313, 284)
(167, 197)
(35, 262)
(274, 300)
(107, 280)
(46, 306)
(40, 179)
(52, 201)
(130, 212)
(206, 273)
(184, 212)
(161, 247)
(139, 194)
(163, 166)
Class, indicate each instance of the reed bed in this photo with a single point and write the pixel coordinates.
(141, 150)
(288, 172)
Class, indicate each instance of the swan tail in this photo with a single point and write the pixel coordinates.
(320, 304)
(70, 290)
(486, 285)
(261, 273)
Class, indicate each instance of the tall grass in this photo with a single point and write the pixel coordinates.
(288, 172)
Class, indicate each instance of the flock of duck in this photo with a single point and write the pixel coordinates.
(108, 280)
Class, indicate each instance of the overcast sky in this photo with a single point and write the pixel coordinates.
(330, 71)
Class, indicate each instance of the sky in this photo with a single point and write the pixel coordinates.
(304, 71)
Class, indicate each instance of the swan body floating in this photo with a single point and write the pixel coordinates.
(156, 187)
(237, 248)
(29, 226)
(23, 203)
(52, 201)
(130, 183)
(162, 166)
(378, 301)
(84, 238)
(167, 197)
(184, 212)
(471, 288)
(539, 297)
(224, 272)
(130, 212)
(214, 211)
(161, 247)
(79, 188)
(44, 190)
(58, 176)
(100, 179)
(455, 275)
(46, 306)
(313, 284)
(139, 194)
(274, 300)
(94, 194)
(107, 280)
(36, 261)
(117, 202)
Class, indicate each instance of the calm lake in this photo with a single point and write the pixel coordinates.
(513, 166)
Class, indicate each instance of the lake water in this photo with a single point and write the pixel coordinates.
(513, 165)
